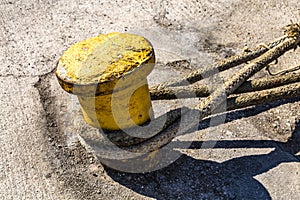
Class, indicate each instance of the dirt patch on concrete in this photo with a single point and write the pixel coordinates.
(76, 168)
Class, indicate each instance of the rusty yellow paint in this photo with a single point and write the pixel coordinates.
(108, 73)
(103, 58)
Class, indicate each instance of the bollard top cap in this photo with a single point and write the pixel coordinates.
(104, 58)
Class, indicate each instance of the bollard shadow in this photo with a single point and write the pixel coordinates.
(190, 178)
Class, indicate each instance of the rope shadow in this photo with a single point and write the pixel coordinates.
(190, 178)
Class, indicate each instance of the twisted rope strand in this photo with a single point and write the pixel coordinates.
(213, 101)
(169, 93)
(220, 66)
(218, 97)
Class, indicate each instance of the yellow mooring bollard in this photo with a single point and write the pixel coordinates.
(108, 73)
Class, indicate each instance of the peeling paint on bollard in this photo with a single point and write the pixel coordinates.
(108, 73)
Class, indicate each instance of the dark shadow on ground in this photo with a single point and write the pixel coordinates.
(189, 178)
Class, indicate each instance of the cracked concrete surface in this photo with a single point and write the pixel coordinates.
(256, 151)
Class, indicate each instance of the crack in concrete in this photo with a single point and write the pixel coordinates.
(27, 76)
(17, 76)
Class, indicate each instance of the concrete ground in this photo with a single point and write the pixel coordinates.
(253, 154)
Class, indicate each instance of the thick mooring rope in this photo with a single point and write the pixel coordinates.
(218, 97)
(169, 93)
(220, 66)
